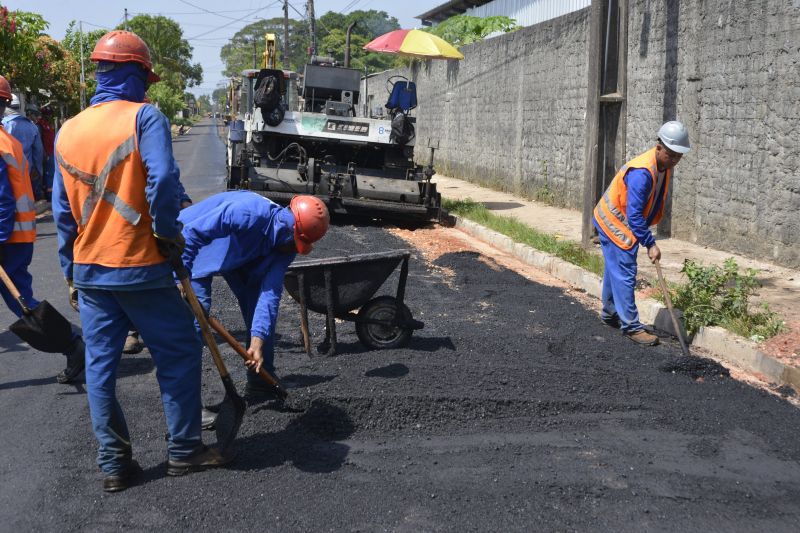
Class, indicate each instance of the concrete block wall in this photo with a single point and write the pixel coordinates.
(511, 114)
(736, 85)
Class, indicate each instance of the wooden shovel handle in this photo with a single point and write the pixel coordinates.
(208, 337)
(9, 284)
(239, 349)
(668, 301)
(14, 292)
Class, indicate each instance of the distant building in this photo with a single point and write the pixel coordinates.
(525, 12)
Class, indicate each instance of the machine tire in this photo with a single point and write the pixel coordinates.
(383, 337)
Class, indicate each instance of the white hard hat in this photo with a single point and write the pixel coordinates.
(675, 136)
(14, 101)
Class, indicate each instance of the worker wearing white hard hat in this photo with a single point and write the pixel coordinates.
(633, 202)
(18, 126)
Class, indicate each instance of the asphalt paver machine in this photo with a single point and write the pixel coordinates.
(302, 134)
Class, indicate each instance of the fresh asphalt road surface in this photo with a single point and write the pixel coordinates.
(513, 410)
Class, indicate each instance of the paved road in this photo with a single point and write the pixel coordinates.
(513, 410)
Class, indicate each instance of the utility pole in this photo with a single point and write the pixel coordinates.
(312, 27)
(126, 18)
(285, 33)
(83, 73)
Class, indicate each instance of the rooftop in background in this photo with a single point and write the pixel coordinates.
(447, 10)
(524, 12)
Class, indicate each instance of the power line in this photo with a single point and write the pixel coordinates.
(206, 10)
(251, 13)
(194, 12)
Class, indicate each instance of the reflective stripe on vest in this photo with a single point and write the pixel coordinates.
(98, 184)
(611, 226)
(24, 228)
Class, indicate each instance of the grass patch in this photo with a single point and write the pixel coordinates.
(569, 251)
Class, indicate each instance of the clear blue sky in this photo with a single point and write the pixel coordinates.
(211, 30)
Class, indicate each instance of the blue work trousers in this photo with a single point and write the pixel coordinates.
(16, 259)
(247, 289)
(166, 326)
(619, 285)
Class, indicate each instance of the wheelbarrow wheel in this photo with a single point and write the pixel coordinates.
(383, 336)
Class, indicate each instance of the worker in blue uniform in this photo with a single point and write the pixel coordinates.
(634, 201)
(116, 198)
(27, 133)
(250, 241)
(18, 234)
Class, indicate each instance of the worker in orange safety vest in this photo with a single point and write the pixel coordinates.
(18, 233)
(116, 198)
(633, 202)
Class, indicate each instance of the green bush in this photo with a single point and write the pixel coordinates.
(720, 296)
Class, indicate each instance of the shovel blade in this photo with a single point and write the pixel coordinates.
(229, 419)
(44, 329)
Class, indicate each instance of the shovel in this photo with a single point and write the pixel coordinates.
(239, 349)
(668, 300)
(42, 327)
(232, 408)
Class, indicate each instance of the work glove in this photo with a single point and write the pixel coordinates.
(172, 250)
(73, 295)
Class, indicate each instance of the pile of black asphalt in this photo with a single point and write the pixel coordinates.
(514, 409)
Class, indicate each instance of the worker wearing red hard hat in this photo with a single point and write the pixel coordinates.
(116, 199)
(250, 242)
(18, 233)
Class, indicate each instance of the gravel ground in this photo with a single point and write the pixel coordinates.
(514, 409)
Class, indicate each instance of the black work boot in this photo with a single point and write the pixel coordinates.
(123, 479)
(76, 361)
(202, 459)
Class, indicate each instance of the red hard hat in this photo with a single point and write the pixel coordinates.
(120, 46)
(311, 221)
(5, 89)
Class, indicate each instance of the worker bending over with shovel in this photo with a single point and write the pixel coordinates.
(116, 198)
(250, 241)
(633, 202)
(18, 233)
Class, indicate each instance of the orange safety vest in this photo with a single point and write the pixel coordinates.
(104, 178)
(612, 209)
(25, 215)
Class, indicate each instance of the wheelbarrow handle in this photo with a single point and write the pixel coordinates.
(239, 349)
(14, 292)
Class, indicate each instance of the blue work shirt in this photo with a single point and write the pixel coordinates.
(640, 184)
(163, 191)
(8, 205)
(240, 230)
(27, 133)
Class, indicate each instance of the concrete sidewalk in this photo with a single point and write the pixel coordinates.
(780, 286)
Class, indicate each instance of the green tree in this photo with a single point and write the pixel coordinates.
(368, 25)
(60, 73)
(169, 99)
(204, 103)
(72, 42)
(19, 62)
(247, 45)
(171, 53)
(465, 29)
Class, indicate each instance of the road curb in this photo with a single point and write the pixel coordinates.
(720, 343)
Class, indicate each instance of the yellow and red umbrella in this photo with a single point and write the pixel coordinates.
(413, 43)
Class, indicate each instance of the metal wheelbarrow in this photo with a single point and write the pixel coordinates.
(338, 286)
